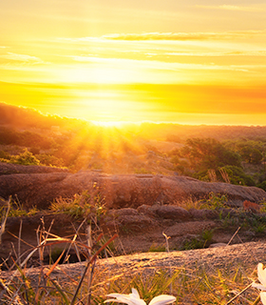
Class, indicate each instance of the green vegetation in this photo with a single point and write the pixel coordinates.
(210, 153)
(81, 206)
(15, 209)
(242, 161)
(25, 158)
(198, 242)
(213, 202)
(157, 248)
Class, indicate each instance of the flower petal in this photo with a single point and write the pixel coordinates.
(135, 293)
(162, 299)
(262, 274)
(259, 286)
(135, 298)
(130, 299)
(120, 299)
(263, 297)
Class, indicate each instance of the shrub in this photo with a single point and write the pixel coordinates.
(81, 206)
(237, 175)
(262, 185)
(50, 160)
(25, 158)
(198, 242)
(214, 201)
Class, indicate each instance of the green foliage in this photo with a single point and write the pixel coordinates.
(214, 201)
(251, 155)
(262, 185)
(204, 154)
(237, 176)
(229, 220)
(256, 222)
(25, 138)
(81, 206)
(198, 242)
(50, 160)
(4, 155)
(157, 248)
(16, 209)
(25, 158)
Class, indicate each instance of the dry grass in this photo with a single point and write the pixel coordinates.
(203, 284)
(199, 285)
(4, 218)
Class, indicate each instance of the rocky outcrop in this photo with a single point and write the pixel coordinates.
(40, 186)
(9, 168)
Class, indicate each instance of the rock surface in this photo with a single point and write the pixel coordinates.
(140, 208)
(139, 230)
(39, 186)
(246, 255)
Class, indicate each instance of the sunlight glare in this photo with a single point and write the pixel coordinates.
(108, 124)
(99, 75)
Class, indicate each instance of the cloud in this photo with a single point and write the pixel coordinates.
(22, 57)
(184, 36)
(232, 8)
(217, 54)
(161, 65)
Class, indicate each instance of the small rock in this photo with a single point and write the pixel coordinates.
(146, 210)
(173, 212)
(216, 245)
(135, 223)
(203, 214)
(124, 212)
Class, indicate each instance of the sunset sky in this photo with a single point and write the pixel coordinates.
(188, 62)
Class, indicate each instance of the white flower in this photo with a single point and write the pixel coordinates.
(134, 299)
(262, 279)
(263, 297)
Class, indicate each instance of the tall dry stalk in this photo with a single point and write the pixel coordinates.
(3, 224)
(212, 175)
(224, 175)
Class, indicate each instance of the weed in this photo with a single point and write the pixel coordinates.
(22, 290)
(260, 228)
(229, 220)
(190, 204)
(157, 248)
(81, 206)
(214, 201)
(16, 209)
(207, 235)
(198, 242)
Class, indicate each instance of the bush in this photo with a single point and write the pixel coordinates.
(50, 160)
(25, 158)
(237, 175)
(262, 185)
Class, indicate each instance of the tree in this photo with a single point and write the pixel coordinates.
(205, 154)
(251, 155)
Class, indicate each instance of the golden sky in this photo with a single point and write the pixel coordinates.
(189, 62)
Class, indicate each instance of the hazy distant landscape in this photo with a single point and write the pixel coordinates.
(203, 152)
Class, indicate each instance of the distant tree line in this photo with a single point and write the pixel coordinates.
(208, 159)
